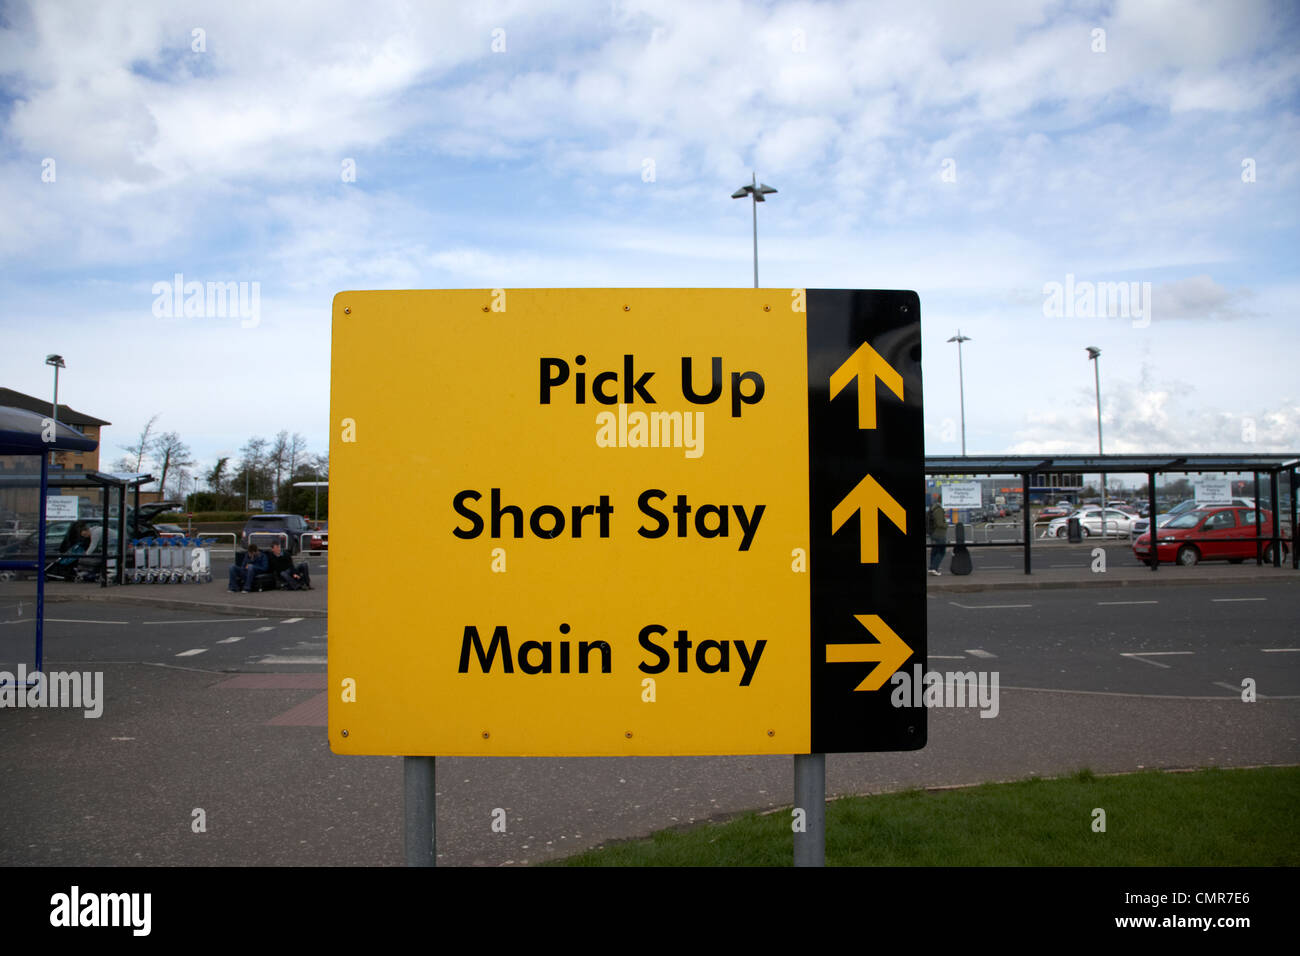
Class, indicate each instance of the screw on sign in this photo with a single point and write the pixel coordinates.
(618, 479)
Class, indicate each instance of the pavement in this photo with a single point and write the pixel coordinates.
(1073, 569)
(212, 597)
(1116, 574)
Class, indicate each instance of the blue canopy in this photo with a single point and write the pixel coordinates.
(21, 433)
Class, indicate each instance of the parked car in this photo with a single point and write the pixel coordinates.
(263, 530)
(1117, 522)
(320, 538)
(1183, 507)
(169, 531)
(1216, 533)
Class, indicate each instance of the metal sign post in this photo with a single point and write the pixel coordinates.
(420, 811)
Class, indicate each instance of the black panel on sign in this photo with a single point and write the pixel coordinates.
(842, 454)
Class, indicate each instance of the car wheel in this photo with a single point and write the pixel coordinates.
(1268, 554)
(1083, 529)
(1188, 556)
(1060, 532)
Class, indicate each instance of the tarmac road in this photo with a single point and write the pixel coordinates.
(235, 729)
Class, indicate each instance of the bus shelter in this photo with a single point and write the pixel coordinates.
(1033, 471)
(26, 441)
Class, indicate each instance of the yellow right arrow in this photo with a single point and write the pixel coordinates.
(870, 499)
(890, 652)
(866, 366)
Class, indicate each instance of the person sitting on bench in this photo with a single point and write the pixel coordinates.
(289, 576)
(246, 567)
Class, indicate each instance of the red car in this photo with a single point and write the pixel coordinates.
(1210, 534)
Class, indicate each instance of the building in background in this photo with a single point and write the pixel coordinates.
(88, 425)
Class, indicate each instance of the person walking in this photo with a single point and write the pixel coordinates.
(936, 525)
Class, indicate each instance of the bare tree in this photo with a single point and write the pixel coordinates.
(297, 450)
(252, 464)
(173, 454)
(140, 448)
(278, 458)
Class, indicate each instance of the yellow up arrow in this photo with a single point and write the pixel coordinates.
(866, 366)
(890, 652)
(870, 499)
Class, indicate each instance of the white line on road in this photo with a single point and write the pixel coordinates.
(1281, 650)
(1127, 602)
(262, 630)
(230, 640)
(983, 607)
(1142, 656)
(192, 651)
(1223, 600)
(291, 620)
(73, 620)
(947, 657)
(292, 660)
(209, 620)
(976, 652)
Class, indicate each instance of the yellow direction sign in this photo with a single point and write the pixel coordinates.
(579, 522)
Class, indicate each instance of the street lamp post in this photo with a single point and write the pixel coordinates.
(809, 769)
(756, 191)
(961, 384)
(1094, 356)
(58, 363)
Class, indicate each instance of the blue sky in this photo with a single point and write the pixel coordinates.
(972, 152)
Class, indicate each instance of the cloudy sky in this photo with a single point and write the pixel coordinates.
(977, 153)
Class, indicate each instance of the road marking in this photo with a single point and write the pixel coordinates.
(230, 640)
(291, 620)
(976, 652)
(1126, 602)
(262, 630)
(947, 657)
(192, 652)
(209, 620)
(1223, 600)
(1281, 650)
(1142, 656)
(978, 607)
(292, 660)
(73, 620)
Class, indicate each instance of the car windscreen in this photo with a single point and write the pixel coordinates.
(1185, 521)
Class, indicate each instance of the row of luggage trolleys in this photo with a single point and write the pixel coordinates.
(171, 560)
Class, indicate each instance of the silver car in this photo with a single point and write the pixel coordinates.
(1117, 522)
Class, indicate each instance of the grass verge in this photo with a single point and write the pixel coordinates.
(1202, 818)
